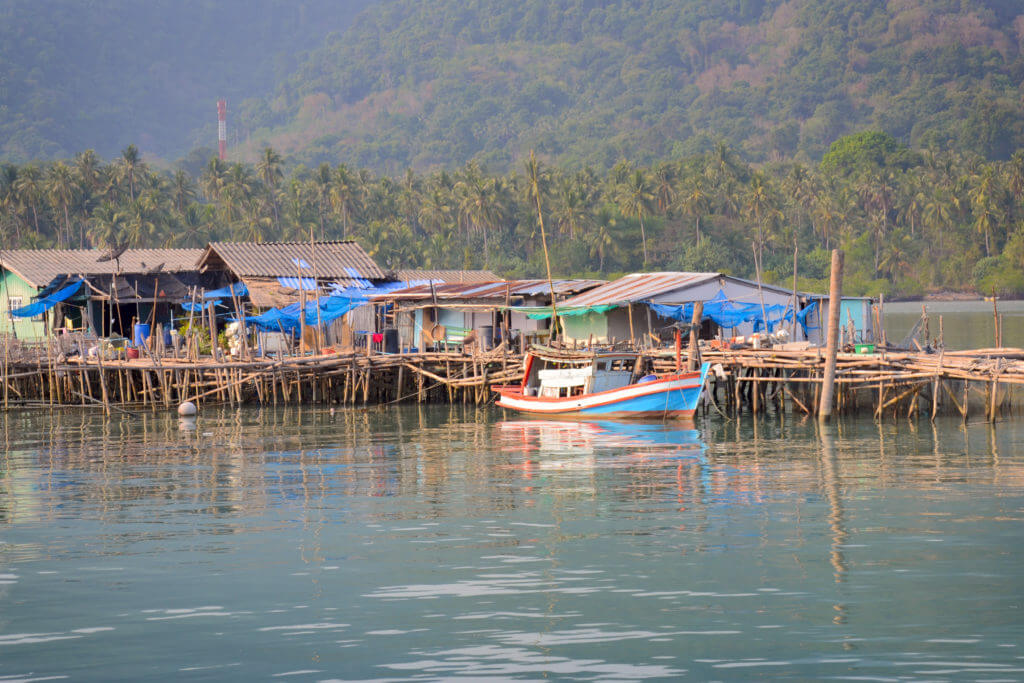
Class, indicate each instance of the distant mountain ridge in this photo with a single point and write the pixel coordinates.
(434, 83)
(391, 84)
(108, 73)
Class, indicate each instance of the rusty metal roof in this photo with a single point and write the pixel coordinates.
(453, 276)
(334, 259)
(38, 267)
(490, 290)
(637, 287)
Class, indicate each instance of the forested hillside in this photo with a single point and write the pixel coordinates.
(435, 83)
(107, 73)
(678, 135)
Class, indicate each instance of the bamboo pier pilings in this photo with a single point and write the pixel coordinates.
(356, 378)
(889, 383)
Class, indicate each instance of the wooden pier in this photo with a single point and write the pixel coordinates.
(890, 384)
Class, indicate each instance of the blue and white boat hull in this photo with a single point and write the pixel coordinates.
(676, 395)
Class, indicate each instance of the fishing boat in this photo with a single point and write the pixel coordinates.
(601, 384)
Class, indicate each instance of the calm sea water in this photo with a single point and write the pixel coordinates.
(445, 543)
(964, 324)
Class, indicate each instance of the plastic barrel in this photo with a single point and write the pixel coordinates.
(391, 340)
(141, 334)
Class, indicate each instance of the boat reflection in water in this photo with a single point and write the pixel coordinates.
(560, 445)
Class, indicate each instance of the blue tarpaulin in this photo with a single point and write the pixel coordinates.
(338, 289)
(359, 280)
(729, 314)
(306, 283)
(287, 319)
(239, 289)
(200, 306)
(47, 302)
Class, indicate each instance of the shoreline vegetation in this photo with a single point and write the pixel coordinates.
(915, 224)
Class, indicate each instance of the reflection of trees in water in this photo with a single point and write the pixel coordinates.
(447, 460)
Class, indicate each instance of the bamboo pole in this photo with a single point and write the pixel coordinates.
(7, 370)
(881, 318)
(831, 351)
(534, 167)
(995, 320)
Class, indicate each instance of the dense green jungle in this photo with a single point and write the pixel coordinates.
(912, 223)
(685, 135)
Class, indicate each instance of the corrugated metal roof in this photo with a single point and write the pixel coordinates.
(452, 276)
(637, 287)
(39, 267)
(535, 287)
(336, 259)
(491, 290)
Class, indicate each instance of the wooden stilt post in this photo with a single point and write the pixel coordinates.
(881, 318)
(693, 357)
(995, 319)
(835, 296)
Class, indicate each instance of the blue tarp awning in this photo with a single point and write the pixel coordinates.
(324, 310)
(47, 302)
(236, 289)
(306, 283)
(729, 314)
(201, 305)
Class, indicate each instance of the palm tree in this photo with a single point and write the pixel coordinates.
(826, 217)
(108, 225)
(895, 256)
(61, 190)
(603, 237)
(912, 201)
(344, 195)
(9, 201)
(666, 175)
(268, 170)
(1015, 183)
(571, 210)
(724, 170)
(321, 184)
(936, 216)
(183, 190)
(236, 202)
(695, 202)
(410, 199)
(196, 222)
(28, 187)
(876, 193)
(480, 206)
(436, 212)
(130, 166)
(89, 170)
(635, 198)
(300, 216)
(984, 201)
(802, 192)
(762, 206)
(214, 178)
(439, 248)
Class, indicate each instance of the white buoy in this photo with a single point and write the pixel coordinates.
(187, 409)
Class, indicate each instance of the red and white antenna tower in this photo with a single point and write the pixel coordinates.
(222, 129)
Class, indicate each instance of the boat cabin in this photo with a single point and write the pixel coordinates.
(564, 377)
